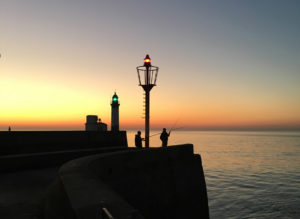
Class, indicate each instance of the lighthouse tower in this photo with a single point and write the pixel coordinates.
(115, 113)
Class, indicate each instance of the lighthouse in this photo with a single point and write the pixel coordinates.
(115, 113)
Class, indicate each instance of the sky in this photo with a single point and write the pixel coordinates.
(222, 64)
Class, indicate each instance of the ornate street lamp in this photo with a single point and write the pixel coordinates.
(147, 75)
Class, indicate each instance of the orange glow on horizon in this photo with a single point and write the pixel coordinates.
(157, 122)
(63, 100)
(55, 70)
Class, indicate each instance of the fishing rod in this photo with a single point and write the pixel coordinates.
(174, 125)
(169, 131)
(154, 135)
(176, 129)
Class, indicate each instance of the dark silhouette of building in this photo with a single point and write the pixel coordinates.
(94, 124)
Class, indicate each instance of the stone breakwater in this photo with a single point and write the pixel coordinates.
(142, 183)
(23, 142)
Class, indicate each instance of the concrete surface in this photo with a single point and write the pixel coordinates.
(19, 162)
(21, 192)
(131, 184)
(143, 183)
(19, 142)
(26, 179)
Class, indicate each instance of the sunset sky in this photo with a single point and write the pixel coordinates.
(223, 64)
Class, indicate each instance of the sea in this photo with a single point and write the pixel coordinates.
(248, 174)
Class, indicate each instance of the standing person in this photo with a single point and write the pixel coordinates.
(138, 140)
(164, 137)
(9, 128)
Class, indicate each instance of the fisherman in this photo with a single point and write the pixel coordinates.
(164, 137)
(138, 140)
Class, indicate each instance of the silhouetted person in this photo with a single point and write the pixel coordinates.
(9, 129)
(138, 140)
(164, 137)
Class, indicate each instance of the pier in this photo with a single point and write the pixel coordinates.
(128, 183)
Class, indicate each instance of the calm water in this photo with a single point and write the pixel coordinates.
(248, 174)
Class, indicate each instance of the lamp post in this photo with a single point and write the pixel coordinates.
(147, 75)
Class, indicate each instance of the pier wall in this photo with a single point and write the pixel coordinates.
(31, 161)
(20, 142)
(141, 183)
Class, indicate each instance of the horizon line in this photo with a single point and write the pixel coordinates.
(296, 129)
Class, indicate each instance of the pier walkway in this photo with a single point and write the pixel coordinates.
(22, 191)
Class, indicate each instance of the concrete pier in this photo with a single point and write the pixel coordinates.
(22, 142)
(146, 183)
(128, 183)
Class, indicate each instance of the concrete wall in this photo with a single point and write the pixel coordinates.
(141, 183)
(18, 142)
(20, 162)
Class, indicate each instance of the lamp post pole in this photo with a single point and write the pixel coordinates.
(147, 118)
(149, 73)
